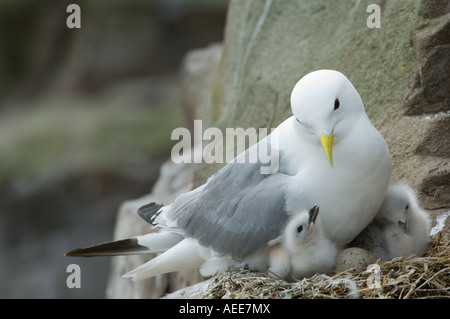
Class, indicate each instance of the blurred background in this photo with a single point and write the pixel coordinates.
(85, 122)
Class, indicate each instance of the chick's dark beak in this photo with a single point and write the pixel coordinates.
(313, 212)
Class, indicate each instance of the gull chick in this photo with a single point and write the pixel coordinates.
(400, 228)
(305, 249)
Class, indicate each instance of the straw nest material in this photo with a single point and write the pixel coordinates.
(401, 278)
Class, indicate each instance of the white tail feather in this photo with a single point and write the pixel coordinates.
(184, 255)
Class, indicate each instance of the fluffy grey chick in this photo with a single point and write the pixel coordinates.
(400, 228)
(305, 250)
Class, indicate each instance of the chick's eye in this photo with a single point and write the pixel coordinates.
(299, 229)
(336, 104)
(407, 206)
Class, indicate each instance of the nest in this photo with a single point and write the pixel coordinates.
(422, 277)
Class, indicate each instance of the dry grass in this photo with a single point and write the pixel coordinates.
(401, 278)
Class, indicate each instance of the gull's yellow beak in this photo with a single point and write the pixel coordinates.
(327, 144)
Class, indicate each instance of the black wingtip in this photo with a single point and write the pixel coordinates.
(147, 212)
(114, 248)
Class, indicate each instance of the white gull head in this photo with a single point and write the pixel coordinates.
(325, 106)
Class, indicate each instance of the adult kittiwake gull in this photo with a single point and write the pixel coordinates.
(400, 228)
(329, 154)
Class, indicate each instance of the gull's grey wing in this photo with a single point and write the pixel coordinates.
(237, 212)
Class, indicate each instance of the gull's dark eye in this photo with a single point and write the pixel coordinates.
(298, 120)
(299, 229)
(407, 206)
(336, 104)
